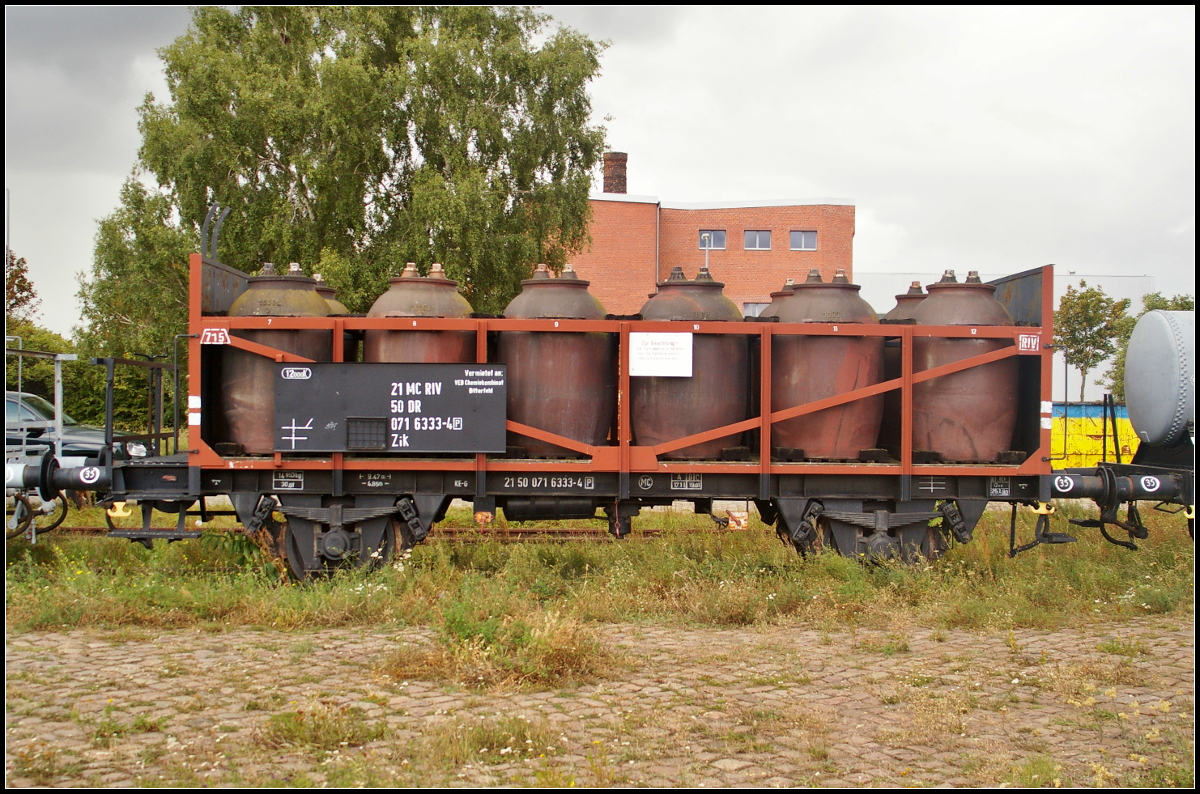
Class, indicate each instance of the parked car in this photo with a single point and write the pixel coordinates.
(22, 409)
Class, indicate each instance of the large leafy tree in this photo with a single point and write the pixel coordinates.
(1087, 324)
(355, 139)
(135, 301)
(1114, 379)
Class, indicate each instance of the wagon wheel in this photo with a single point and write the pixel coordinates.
(298, 532)
(17, 515)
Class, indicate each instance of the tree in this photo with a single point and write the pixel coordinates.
(1086, 326)
(135, 301)
(356, 139)
(1114, 379)
(137, 296)
(20, 300)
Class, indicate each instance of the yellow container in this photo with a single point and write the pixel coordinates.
(1077, 436)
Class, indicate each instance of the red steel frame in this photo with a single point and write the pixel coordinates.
(625, 457)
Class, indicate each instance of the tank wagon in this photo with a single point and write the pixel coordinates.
(558, 410)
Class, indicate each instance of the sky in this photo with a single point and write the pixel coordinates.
(991, 139)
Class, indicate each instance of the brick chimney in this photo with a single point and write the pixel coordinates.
(614, 171)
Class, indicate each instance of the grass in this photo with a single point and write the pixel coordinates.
(481, 649)
(889, 645)
(491, 595)
(1121, 647)
(490, 741)
(1040, 772)
(42, 763)
(323, 727)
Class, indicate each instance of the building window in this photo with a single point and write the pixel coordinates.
(758, 241)
(804, 241)
(714, 241)
(753, 309)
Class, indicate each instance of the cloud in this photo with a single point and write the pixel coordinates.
(620, 24)
(73, 77)
(971, 138)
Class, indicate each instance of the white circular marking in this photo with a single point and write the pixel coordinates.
(645, 482)
(89, 474)
(1063, 484)
(1151, 484)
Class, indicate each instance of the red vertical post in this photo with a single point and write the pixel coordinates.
(195, 294)
(1047, 357)
(764, 412)
(339, 356)
(624, 432)
(906, 400)
(481, 358)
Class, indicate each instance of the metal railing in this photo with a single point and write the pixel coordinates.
(57, 424)
(155, 436)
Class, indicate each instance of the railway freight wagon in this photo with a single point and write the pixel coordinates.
(876, 438)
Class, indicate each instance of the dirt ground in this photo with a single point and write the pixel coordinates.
(773, 706)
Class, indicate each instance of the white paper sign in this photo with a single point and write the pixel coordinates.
(660, 355)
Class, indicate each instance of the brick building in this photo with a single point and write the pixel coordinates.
(753, 246)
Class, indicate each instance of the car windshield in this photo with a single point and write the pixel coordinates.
(45, 408)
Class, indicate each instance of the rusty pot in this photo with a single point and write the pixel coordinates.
(665, 409)
(564, 382)
(411, 295)
(805, 369)
(777, 298)
(248, 396)
(968, 416)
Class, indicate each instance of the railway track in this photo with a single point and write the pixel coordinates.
(471, 534)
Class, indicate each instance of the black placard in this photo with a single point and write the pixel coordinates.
(384, 408)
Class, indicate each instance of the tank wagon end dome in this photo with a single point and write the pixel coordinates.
(1160, 375)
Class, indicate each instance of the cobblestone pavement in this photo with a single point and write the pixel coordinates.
(771, 706)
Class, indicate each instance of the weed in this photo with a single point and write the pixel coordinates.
(553, 777)
(271, 701)
(151, 754)
(172, 670)
(603, 771)
(301, 650)
(888, 645)
(144, 724)
(321, 726)
(1040, 772)
(107, 730)
(491, 741)
(42, 763)
(1082, 679)
(480, 649)
(1122, 647)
